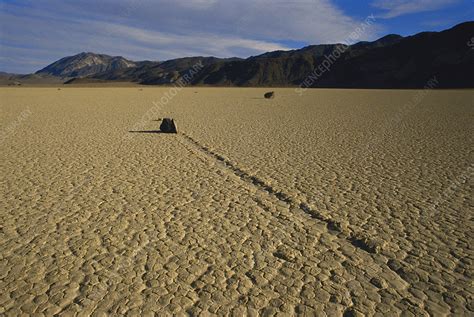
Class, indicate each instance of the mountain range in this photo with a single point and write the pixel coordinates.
(390, 62)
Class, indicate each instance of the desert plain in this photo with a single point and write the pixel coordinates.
(332, 202)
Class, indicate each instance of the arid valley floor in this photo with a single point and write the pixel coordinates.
(355, 202)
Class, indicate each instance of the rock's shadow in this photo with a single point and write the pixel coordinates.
(146, 131)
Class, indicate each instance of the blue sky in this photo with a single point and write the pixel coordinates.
(34, 33)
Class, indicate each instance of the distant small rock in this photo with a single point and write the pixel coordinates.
(168, 126)
(269, 95)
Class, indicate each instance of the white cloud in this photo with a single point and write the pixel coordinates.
(196, 4)
(200, 43)
(312, 21)
(395, 8)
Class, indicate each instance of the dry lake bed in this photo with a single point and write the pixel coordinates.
(336, 202)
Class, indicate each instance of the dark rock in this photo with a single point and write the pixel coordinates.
(269, 95)
(168, 126)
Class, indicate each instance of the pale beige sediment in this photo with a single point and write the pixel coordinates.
(97, 219)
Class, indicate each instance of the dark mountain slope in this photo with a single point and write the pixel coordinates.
(390, 62)
(280, 68)
(409, 63)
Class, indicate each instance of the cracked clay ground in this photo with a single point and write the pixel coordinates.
(337, 202)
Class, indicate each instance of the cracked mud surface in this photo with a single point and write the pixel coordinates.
(257, 207)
